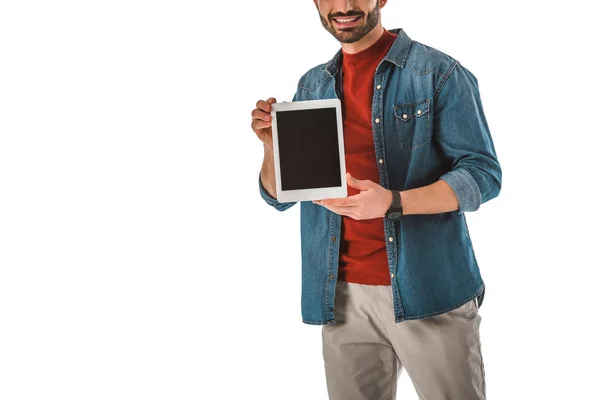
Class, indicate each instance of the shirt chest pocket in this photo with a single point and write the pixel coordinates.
(413, 123)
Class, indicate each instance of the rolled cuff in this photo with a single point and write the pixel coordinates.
(271, 200)
(465, 188)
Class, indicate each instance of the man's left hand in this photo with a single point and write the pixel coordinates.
(373, 201)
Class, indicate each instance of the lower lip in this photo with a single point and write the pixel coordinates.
(347, 24)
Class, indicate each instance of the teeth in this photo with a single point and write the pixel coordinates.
(346, 19)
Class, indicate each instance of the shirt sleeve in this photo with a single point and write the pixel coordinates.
(271, 200)
(462, 133)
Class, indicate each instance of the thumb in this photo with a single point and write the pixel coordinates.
(357, 183)
(271, 100)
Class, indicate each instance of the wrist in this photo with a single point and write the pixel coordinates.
(404, 201)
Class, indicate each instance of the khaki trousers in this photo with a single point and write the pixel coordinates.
(365, 350)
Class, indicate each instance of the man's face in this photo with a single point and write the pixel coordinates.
(348, 21)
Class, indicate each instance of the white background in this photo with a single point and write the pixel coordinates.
(137, 259)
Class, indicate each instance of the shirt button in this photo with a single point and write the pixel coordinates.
(381, 161)
(377, 120)
(331, 276)
(392, 274)
(391, 239)
(378, 87)
(419, 112)
(333, 239)
(404, 116)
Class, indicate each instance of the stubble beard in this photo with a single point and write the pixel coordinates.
(352, 35)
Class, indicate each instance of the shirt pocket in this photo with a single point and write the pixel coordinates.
(412, 123)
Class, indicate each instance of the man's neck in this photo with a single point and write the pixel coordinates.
(364, 43)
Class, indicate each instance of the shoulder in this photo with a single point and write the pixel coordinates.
(424, 59)
(314, 77)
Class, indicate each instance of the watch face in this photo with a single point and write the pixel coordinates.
(395, 215)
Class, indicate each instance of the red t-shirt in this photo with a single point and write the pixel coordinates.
(363, 256)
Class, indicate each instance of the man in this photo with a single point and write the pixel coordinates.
(389, 270)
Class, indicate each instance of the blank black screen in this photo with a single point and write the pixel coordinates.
(309, 155)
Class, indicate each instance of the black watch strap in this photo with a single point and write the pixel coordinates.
(396, 202)
(394, 213)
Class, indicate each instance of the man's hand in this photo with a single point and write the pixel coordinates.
(373, 201)
(261, 121)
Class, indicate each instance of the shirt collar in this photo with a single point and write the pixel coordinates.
(396, 55)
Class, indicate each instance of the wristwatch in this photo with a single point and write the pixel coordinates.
(394, 213)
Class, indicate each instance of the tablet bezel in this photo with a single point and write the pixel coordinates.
(284, 196)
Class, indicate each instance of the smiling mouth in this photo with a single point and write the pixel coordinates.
(346, 22)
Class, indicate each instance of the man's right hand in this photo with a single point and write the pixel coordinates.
(261, 121)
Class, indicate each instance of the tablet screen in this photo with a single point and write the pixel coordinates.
(309, 154)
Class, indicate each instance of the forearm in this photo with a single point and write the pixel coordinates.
(267, 172)
(431, 199)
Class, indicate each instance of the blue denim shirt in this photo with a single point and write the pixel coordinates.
(428, 124)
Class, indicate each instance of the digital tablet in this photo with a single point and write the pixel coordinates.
(308, 145)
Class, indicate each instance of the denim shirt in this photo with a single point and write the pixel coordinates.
(428, 124)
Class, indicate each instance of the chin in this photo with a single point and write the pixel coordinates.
(348, 36)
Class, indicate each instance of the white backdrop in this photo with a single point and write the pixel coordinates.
(137, 259)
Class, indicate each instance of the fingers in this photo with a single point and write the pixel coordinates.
(348, 206)
(258, 125)
(357, 183)
(265, 105)
(259, 114)
(350, 201)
